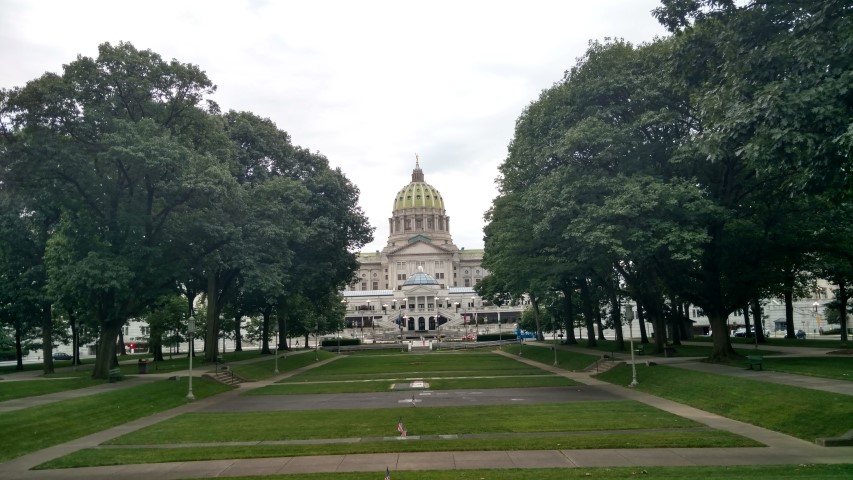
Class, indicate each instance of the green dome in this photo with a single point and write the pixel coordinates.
(418, 195)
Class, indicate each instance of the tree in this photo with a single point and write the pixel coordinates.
(126, 144)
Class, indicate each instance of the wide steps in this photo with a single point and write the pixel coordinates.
(226, 376)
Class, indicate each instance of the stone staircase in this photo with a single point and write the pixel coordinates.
(225, 376)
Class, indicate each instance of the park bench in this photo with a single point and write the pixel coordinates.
(640, 350)
(753, 360)
(114, 375)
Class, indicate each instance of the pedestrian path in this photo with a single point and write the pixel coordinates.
(780, 448)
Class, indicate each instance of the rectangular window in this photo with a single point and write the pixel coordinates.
(467, 282)
(439, 275)
(364, 285)
(376, 285)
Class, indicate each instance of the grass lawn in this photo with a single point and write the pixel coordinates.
(265, 368)
(365, 386)
(609, 347)
(757, 472)
(799, 412)
(640, 439)
(565, 426)
(837, 368)
(39, 427)
(408, 365)
(30, 388)
(481, 419)
(542, 353)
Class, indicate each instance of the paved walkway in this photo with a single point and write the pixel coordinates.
(780, 449)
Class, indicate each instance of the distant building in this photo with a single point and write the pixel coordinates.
(421, 278)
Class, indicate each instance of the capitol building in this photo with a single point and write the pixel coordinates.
(421, 282)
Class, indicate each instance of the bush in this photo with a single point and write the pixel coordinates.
(333, 342)
(491, 337)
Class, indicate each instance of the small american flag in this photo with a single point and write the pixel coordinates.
(401, 428)
(387, 474)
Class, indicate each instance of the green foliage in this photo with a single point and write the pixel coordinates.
(342, 341)
(491, 337)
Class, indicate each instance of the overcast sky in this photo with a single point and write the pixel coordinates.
(366, 83)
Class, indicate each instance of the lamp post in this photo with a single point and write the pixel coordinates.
(629, 315)
(190, 332)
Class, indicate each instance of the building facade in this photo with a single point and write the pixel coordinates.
(421, 280)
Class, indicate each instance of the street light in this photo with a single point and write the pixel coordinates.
(447, 302)
(190, 332)
(629, 315)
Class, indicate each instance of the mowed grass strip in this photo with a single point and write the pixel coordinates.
(434, 363)
(265, 368)
(36, 428)
(542, 353)
(799, 412)
(210, 427)
(30, 388)
(836, 368)
(640, 439)
(367, 386)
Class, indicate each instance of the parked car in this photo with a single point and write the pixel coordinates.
(61, 356)
(741, 332)
(801, 334)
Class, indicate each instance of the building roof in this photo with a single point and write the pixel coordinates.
(418, 193)
(420, 278)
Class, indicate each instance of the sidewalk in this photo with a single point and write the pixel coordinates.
(781, 449)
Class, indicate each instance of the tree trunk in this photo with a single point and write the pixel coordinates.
(789, 314)
(568, 320)
(75, 338)
(758, 321)
(105, 351)
(265, 335)
(675, 322)
(19, 348)
(598, 324)
(120, 343)
(586, 305)
(641, 319)
(211, 345)
(723, 350)
(843, 295)
(238, 335)
(47, 337)
(616, 320)
(534, 302)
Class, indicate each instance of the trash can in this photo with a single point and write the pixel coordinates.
(143, 365)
